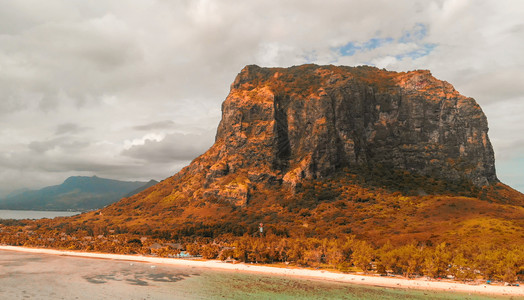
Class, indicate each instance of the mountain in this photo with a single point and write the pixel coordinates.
(326, 151)
(17, 192)
(148, 184)
(75, 193)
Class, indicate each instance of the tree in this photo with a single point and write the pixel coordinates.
(209, 251)
(436, 261)
(461, 268)
(409, 259)
(193, 249)
(334, 254)
(362, 255)
(226, 254)
(241, 248)
(296, 253)
(386, 258)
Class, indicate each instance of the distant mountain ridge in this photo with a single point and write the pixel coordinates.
(75, 193)
(148, 184)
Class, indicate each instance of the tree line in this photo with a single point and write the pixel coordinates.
(465, 261)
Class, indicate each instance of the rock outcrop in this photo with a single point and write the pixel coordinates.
(281, 126)
(306, 122)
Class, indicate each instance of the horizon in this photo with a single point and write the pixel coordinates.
(133, 93)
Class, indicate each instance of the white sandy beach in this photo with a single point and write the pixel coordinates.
(298, 272)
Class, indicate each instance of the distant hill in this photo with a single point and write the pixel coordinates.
(149, 184)
(75, 193)
(17, 192)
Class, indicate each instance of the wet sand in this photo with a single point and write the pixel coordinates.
(125, 273)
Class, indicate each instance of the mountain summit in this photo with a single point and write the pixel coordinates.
(282, 126)
(331, 146)
(308, 122)
(324, 166)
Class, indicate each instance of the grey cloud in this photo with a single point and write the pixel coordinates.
(103, 41)
(63, 143)
(65, 162)
(67, 128)
(75, 145)
(81, 79)
(167, 124)
(41, 147)
(84, 166)
(493, 85)
(67, 60)
(48, 102)
(174, 147)
(510, 149)
(36, 170)
(9, 103)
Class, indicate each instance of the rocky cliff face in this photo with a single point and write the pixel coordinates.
(286, 125)
(306, 122)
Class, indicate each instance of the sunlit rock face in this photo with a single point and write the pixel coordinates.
(306, 122)
(283, 126)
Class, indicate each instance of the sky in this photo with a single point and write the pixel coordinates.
(132, 90)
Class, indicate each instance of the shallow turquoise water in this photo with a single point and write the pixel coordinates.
(41, 276)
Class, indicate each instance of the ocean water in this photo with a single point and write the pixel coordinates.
(34, 214)
(43, 276)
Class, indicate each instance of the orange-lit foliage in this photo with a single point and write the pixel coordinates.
(336, 222)
(401, 221)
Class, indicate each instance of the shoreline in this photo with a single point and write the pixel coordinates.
(378, 281)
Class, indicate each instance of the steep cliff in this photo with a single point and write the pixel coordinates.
(309, 121)
(286, 125)
(324, 150)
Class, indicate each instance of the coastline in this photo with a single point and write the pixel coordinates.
(402, 283)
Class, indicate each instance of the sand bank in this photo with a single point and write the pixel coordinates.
(316, 274)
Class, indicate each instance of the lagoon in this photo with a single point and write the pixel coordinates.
(34, 214)
(44, 276)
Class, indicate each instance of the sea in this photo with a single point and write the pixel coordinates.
(45, 276)
(34, 214)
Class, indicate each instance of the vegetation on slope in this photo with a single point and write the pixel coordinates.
(348, 168)
(344, 222)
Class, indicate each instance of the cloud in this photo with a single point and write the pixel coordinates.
(172, 148)
(167, 124)
(417, 33)
(42, 147)
(68, 128)
(57, 144)
(134, 91)
(413, 37)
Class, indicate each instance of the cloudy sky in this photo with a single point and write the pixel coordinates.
(132, 90)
